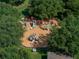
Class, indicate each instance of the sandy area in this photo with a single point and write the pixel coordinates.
(38, 31)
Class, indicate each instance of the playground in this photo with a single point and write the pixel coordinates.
(36, 32)
(41, 42)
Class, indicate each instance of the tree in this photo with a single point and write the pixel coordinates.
(72, 6)
(10, 34)
(13, 53)
(13, 2)
(45, 8)
(66, 39)
(10, 28)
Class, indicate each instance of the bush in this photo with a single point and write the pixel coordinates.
(45, 8)
(10, 28)
(66, 39)
(13, 2)
(13, 53)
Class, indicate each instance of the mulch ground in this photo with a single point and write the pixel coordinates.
(38, 31)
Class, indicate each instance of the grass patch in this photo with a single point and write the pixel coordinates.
(35, 55)
(22, 7)
(76, 56)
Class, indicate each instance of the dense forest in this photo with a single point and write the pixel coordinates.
(10, 33)
(64, 40)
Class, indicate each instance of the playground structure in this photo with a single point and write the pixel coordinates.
(36, 32)
(30, 23)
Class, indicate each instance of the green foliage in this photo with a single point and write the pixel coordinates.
(45, 8)
(66, 39)
(10, 28)
(13, 53)
(10, 34)
(76, 56)
(34, 55)
(73, 4)
(13, 2)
